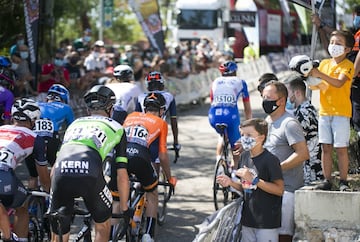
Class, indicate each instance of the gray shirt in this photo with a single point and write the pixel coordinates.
(283, 133)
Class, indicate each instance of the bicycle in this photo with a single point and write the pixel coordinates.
(86, 229)
(223, 166)
(137, 202)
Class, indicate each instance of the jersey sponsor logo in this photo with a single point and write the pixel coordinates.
(74, 167)
(106, 196)
(132, 151)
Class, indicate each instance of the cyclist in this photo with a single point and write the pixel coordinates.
(77, 171)
(147, 134)
(6, 95)
(155, 82)
(126, 92)
(224, 94)
(18, 141)
(55, 114)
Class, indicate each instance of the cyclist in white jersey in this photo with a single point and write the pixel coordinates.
(126, 92)
(224, 94)
(17, 142)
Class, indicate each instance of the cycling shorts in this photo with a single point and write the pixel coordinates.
(12, 192)
(78, 173)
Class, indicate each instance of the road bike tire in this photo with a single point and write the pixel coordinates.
(221, 194)
(121, 231)
(34, 234)
(37, 209)
(164, 193)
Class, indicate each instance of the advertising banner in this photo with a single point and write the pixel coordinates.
(148, 14)
(31, 13)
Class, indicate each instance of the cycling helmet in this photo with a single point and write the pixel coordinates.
(154, 81)
(25, 109)
(5, 61)
(154, 100)
(228, 68)
(58, 93)
(123, 73)
(7, 78)
(99, 97)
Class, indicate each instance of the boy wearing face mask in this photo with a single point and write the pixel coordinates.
(261, 182)
(335, 106)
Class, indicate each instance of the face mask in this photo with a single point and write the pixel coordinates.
(24, 54)
(96, 54)
(87, 38)
(58, 62)
(290, 105)
(247, 142)
(336, 50)
(269, 106)
(20, 42)
(14, 66)
(357, 22)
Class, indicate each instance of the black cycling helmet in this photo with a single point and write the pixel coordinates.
(228, 68)
(25, 109)
(100, 97)
(154, 101)
(154, 81)
(7, 78)
(123, 73)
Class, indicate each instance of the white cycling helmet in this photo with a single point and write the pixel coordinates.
(25, 109)
(123, 73)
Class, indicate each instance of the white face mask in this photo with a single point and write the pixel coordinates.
(14, 66)
(336, 50)
(247, 142)
(24, 54)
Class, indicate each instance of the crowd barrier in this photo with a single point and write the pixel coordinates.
(197, 86)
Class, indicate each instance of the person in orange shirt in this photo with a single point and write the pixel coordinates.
(147, 139)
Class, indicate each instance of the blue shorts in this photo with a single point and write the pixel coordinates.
(229, 116)
(334, 130)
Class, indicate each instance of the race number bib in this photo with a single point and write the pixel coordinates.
(225, 99)
(44, 126)
(137, 134)
(95, 134)
(7, 157)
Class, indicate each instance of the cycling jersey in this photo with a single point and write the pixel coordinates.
(126, 94)
(224, 95)
(101, 133)
(6, 102)
(170, 105)
(53, 116)
(17, 143)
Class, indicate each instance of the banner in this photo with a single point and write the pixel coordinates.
(108, 13)
(148, 14)
(31, 13)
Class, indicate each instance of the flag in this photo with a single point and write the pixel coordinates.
(148, 14)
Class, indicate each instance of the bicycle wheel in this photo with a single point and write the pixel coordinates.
(122, 230)
(37, 207)
(163, 194)
(220, 193)
(34, 234)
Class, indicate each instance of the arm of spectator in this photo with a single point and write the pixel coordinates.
(323, 29)
(357, 65)
(301, 153)
(336, 82)
(247, 109)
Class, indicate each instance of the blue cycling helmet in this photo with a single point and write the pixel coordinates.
(228, 68)
(5, 61)
(58, 93)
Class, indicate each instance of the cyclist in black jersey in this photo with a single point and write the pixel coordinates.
(77, 171)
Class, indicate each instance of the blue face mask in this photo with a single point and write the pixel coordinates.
(24, 54)
(87, 38)
(289, 105)
(58, 62)
(357, 22)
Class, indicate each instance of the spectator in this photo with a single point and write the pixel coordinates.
(53, 73)
(20, 40)
(286, 141)
(264, 79)
(96, 62)
(261, 182)
(249, 53)
(335, 106)
(307, 116)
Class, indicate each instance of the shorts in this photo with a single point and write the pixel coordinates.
(78, 173)
(12, 192)
(334, 130)
(287, 214)
(254, 234)
(229, 116)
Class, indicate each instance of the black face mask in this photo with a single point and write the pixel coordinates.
(269, 106)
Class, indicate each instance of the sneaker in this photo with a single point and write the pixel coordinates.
(324, 185)
(147, 238)
(344, 186)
